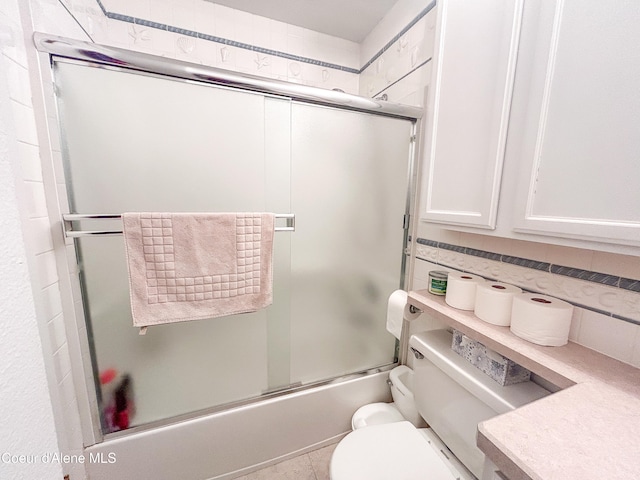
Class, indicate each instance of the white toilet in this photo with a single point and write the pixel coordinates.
(451, 395)
(402, 409)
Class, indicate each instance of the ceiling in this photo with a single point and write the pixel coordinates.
(348, 19)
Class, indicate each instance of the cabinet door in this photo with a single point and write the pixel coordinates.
(578, 134)
(474, 65)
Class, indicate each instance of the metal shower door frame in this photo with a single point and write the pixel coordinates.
(53, 49)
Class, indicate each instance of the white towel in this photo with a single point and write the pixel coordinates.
(186, 266)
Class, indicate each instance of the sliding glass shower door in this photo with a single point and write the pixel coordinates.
(348, 190)
(143, 142)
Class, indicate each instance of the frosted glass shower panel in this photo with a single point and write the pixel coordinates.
(137, 142)
(349, 178)
(142, 143)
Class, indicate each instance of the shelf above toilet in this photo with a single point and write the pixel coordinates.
(563, 366)
(566, 434)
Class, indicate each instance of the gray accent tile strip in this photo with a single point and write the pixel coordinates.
(104, 10)
(482, 254)
(587, 275)
(266, 51)
(122, 18)
(575, 304)
(525, 262)
(454, 248)
(630, 320)
(630, 284)
(231, 43)
(595, 277)
(426, 10)
(182, 31)
(428, 243)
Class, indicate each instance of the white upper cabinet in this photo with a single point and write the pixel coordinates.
(474, 66)
(577, 134)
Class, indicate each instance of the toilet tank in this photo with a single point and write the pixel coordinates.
(401, 383)
(453, 396)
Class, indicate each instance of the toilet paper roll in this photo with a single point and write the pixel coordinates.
(541, 319)
(461, 290)
(494, 301)
(397, 311)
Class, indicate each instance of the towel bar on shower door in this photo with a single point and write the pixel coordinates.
(69, 218)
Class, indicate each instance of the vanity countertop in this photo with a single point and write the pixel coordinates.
(588, 430)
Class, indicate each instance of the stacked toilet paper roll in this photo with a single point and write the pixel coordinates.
(541, 319)
(461, 290)
(494, 301)
(397, 311)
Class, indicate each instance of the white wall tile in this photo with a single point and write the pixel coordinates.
(576, 321)
(163, 43)
(57, 333)
(224, 22)
(497, 245)
(161, 11)
(635, 357)
(608, 335)
(36, 203)
(623, 265)
(25, 125)
(30, 162)
(427, 253)
(184, 15)
(205, 17)
(529, 250)
(50, 301)
(569, 257)
(47, 271)
(138, 8)
(41, 240)
(62, 361)
(18, 79)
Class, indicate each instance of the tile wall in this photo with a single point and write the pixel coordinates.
(214, 35)
(397, 54)
(603, 287)
(28, 426)
(18, 19)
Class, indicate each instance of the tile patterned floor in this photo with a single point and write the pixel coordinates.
(309, 466)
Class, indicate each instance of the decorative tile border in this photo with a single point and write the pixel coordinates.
(615, 293)
(265, 51)
(426, 10)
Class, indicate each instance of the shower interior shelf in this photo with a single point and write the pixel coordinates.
(69, 218)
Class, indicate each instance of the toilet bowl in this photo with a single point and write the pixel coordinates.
(452, 396)
(375, 414)
(397, 451)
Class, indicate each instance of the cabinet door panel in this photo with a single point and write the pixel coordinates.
(582, 136)
(475, 59)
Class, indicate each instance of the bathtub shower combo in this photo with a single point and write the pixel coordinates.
(143, 133)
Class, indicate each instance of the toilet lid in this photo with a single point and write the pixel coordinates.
(383, 452)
